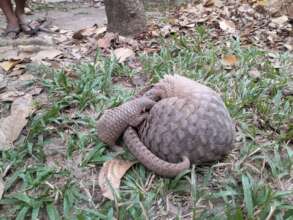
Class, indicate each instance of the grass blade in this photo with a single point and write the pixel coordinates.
(22, 214)
(52, 212)
(247, 196)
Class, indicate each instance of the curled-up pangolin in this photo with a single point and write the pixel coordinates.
(190, 120)
(189, 124)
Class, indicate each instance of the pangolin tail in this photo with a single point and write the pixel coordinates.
(150, 160)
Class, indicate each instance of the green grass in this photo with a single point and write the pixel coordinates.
(253, 182)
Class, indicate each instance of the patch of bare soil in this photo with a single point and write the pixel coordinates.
(69, 16)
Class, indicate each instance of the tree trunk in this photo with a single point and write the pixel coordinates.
(125, 17)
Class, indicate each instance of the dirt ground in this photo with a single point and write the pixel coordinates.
(76, 17)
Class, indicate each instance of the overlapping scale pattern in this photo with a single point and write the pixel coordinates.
(115, 121)
(190, 121)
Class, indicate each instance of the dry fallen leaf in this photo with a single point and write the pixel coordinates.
(1, 188)
(194, 9)
(63, 38)
(274, 7)
(129, 41)
(209, 3)
(155, 33)
(105, 42)
(7, 53)
(246, 8)
(218, 3)
(280, 20)
(29, 48)
(35, 91)
(17, 72)
(12, 125)
(89, 31)
(229, 60)
(8, 65)
(173, 21)
(10, 96)
(123, 53)
(50, 54)
(86, 32)
(111, 173)
(100, 31)
(262, 2)
(26, 77)
(227, 26)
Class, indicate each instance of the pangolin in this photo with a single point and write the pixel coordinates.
(188, 124)
(190, 120)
